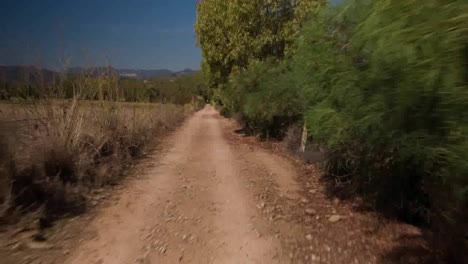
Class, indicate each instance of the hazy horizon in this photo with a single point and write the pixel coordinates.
(95, 66)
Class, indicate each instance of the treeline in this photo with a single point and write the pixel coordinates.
(102, 86)
(382, 85)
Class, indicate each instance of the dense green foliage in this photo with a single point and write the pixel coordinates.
(233, 34)
(383, 86)
(256, 93)
(386, 93)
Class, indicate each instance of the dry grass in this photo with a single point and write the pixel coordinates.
(53, 152)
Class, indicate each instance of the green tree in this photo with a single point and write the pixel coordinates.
(233, 34)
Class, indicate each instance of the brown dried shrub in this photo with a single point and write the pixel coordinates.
(61, 149)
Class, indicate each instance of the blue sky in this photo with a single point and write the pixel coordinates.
(146, 34)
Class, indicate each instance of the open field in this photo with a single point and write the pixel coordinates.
(53, 152)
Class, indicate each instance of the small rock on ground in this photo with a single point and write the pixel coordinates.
(334, 218)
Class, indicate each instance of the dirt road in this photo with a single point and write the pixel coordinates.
(192, 208)
(210, 195)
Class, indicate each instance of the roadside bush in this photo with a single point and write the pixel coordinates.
(386, 89)
(262, 97)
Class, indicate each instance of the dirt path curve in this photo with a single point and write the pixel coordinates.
(194, 207)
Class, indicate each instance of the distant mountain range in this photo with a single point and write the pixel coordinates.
(22, 72)
(131, 73)
(26, 74)
(144, 74)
